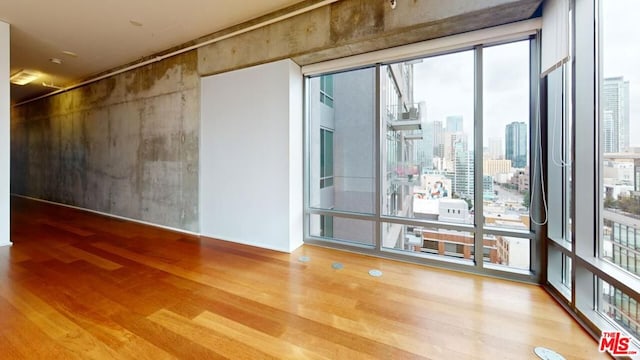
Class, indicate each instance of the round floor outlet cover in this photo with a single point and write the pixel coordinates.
(375, 273)
(304, 259)
(547, 354)
(337, 266)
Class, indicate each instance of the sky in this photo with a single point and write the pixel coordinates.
(445, 83)
(621, 52)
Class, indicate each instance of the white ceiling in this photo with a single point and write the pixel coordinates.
(104, 36)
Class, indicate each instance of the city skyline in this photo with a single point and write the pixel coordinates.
(446, 84)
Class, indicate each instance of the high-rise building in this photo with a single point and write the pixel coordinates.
(487, 188)
(438, 139)
(340, 124)
(620, 233)
(424, 139)
(516, 144)
(450, 141)
(520, 180)
(454, 123)
(615, 114)
(494, 167)
(343, 168)
(495, 148)
(463, 171)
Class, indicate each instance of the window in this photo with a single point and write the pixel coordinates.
(326, 90)
(506, 125)
(620, 307)
(566, 271)
(402, 147)
(431, 246)
(560, 155)
(619, 125)
(340, 155)
(620, 247)
(593, 144)
(326, 158)
(326, 226)
(453, 249)
(337, 229)
(429, 125)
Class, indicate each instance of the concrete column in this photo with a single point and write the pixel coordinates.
(4, 134)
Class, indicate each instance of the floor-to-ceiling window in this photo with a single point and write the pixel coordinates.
(593, 133)
(432, 156)
(618, 155)
(430, 174)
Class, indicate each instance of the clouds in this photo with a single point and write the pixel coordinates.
(445, 83)
(506, 86)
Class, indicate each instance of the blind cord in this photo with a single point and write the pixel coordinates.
(537, 160)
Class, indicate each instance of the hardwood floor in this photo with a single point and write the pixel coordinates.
(78, 285)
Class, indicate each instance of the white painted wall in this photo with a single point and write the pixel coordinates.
(4, 135)
(251, 156)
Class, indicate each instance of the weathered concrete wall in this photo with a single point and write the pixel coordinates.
(350, 27)
(126, 145)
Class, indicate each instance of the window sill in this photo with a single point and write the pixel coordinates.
(612, 274)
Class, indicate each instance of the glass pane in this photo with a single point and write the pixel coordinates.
(559, 269)
(341, 141)
(428, 240)
(619, 134)
(342, 229)
(566, 271)
(620, 308)
(506, 135)
(559, 156)
(509, 251)
(567, 162)
(620, 243)
(427, 115)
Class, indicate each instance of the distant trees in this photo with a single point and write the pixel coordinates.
(627, 204)
(469, 203)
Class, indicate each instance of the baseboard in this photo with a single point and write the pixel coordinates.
(248, 243)
(109, 215)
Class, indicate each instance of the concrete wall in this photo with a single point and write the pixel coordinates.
(251, 156)
(4, 134)
(350, 27)
(126, 145)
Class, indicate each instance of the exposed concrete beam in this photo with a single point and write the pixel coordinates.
(351, 27)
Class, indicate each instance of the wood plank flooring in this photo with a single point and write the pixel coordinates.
(80, 286)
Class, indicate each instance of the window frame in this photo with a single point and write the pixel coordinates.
(326, 90)
(326, 180)
(585, 297)
(526, 30)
